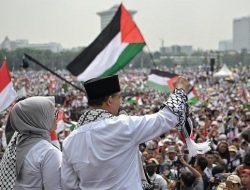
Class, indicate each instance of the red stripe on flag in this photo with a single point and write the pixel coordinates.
(53, 136)
(5, 78)
(130, 32)
(171, 83)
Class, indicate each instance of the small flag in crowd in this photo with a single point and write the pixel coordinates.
(161, 80)
(114, 48)
(71, 125)
(60, 122)
(7, 91)
(192, 97)
(54, 139)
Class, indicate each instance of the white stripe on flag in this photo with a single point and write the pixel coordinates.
(105, 59)
(7, 96)
(158, 79)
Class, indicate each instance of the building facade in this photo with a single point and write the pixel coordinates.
(241, 34)
(225, 45)
(23, 43)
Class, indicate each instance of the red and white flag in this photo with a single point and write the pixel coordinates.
(7, 91)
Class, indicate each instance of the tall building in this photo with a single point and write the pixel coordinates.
(106, 16)
(241, 33)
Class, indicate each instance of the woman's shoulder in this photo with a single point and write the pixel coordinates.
(42, 148)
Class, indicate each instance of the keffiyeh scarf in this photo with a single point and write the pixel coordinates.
(177, 104)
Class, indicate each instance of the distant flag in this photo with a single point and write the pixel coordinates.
(54, 139)
(60, 122)
(71, 125)
(134, 100)
(192, 97)
(161, 80)
(7, 91)
(112, 50)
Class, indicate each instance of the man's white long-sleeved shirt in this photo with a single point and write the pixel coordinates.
(104, 154)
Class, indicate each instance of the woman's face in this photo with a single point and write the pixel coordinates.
(222, 147)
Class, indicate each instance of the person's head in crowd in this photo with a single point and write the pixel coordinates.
(187, 179)
(200, 164)
(210, 158)
(231, 110)
(142, 147)
(199, 140)
(180, 144)
(244, 146)
(232, 151)
(104, 93)
(151, 153)
(167, 142)
(171, 152)
(221, 186)
(222, 137)
(160, 158)
(145, 156)
(245, 178)
(218, 169)
(247, 119)
(215, 125)
(246, 161)
(246, 135)
(155, 144)
(235, 120)
(216, 112)
(236, 142)
(222, 148)
(233, 182)
(219, 119)
(151, 166)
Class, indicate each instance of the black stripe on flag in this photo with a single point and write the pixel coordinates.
(84, 59)
(163, 73)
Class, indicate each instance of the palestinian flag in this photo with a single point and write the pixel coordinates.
(161, 80)
(114, 48)
(192, 97)
(7, 91)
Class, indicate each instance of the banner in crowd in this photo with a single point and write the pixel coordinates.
(114, 48)
(7, 91)
(161, 80)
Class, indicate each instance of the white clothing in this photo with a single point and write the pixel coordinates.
(159, 182)
(41, 168)
(103, 155)
(208, 171)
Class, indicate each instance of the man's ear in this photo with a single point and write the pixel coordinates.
(109, 101)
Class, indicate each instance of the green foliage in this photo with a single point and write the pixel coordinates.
(142, 60)
(47, 58)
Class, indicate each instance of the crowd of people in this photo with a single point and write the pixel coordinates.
(221, 116)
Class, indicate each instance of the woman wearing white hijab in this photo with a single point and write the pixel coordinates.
(38, 162)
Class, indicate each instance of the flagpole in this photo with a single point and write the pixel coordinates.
(54, 73)
(151, 56)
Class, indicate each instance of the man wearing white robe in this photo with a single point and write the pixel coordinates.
(103, 153)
